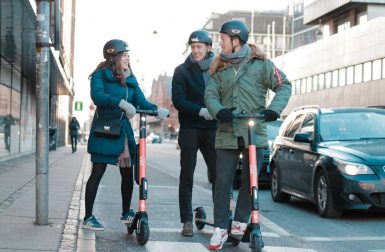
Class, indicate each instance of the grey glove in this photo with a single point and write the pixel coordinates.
(163, 113)
(128, 108)
(205, 114)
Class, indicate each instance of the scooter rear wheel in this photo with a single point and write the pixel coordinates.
(142, 233)
(200, 213)
(234, 242)
(130, 230)
(256, 243)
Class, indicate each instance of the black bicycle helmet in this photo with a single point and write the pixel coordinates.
(235, 28)
(113, 47)
(200, 36)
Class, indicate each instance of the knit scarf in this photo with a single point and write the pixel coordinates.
(236, 58)
(204, 64)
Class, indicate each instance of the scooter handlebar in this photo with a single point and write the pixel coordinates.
(149, 112)
(259, 115)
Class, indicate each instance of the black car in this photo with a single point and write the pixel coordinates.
(333, 157)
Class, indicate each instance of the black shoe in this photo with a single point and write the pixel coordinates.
(188, 229)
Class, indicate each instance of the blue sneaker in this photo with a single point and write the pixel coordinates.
(128, 217)
(92, 223)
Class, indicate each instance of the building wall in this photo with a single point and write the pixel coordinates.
(18, 78)
(345, 69)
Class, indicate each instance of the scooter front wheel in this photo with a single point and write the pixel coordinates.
(142, 233)
(256, 243)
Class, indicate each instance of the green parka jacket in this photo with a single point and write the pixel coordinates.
(245, 89)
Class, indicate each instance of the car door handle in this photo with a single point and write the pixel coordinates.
(291, 151)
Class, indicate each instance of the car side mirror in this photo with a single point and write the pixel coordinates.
(302, 137)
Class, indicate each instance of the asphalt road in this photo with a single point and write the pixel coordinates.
(293, 226)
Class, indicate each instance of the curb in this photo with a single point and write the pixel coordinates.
(74, 238)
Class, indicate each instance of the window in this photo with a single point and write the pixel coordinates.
(315, 82)
(321, 81)
(383, 68)
(328, 79)
(350, 75)
(358, 73)
(308, 84)
(367, 71)
(335, 78)
(294, 127)
(308, 125)
(298, 86)
(342, 77)
(303, 86)
(376, 70)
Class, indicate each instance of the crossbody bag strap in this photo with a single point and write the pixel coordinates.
(121, 117)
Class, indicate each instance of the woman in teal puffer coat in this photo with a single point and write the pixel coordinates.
(116, 93)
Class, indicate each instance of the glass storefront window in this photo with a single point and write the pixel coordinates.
(6, 73)
(328, 79)
(342, 77)
(297, 86)
(367, 71)
(376, 70)
(350, 75)
(358, 73)
(335, 78)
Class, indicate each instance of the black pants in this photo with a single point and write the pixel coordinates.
(74, 141)
(190, 140)
(92, 186)
(226, 165)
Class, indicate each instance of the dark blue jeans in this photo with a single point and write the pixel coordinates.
(74, 141)
(190, 140)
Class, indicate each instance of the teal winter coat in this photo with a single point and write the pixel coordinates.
(106, 93)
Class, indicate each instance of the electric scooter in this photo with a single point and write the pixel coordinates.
(140, 221)
(252, 233)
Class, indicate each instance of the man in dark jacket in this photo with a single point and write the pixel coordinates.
(74, 127)
(197, 127)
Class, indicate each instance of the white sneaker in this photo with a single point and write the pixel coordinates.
(218, 239)
(238, 228)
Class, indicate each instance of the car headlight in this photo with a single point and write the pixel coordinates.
(352, 168)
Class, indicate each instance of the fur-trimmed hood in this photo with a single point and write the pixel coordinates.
(219, 64)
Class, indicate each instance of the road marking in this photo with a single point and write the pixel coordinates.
(205, 231)
(286, 249)
(358, 238)
(198, 247)
(174, 246)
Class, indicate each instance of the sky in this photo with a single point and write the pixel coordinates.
(151, 54)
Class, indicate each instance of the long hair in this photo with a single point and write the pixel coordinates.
(114, 63)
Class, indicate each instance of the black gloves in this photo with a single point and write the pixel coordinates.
(270, 115)
(226, 115)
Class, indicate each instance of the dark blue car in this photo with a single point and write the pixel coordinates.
(333, 157)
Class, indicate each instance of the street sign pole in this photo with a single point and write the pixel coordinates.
(42, 109)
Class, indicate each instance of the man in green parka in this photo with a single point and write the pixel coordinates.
(241, 78)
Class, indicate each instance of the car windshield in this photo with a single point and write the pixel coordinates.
(352, 126)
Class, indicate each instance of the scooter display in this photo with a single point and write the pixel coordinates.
(140, 221)
(252, 233)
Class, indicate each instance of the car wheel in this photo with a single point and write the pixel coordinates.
(323, 197)
(275, 187)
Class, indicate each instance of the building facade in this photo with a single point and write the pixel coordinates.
(270, 30)
(18, 77)
(346, 68)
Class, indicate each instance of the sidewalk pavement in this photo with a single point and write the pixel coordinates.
(18, 230)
